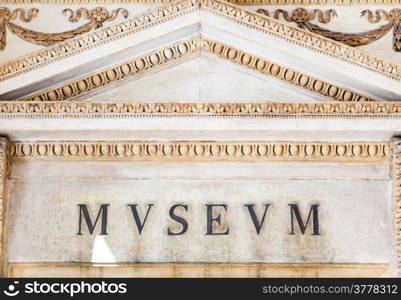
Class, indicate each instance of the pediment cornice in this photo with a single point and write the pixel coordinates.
(164, 13)
(108, 77)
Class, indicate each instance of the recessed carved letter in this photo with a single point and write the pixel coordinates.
(83, 210)
(302, 226)
(211, 219)
(138, 222)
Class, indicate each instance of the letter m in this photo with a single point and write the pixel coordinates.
(313, 213)
(83, 211)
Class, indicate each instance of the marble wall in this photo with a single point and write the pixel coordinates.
(354, 212)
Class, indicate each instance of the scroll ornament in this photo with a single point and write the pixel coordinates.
(303, 18)
(96, 16)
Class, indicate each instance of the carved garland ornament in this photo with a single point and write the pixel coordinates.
(129, 69)
(302, 17)
(96, 16)
(170, 11)
(82, 109)
(201, 151)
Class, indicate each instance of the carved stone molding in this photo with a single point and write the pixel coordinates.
(302, 38)
(96, 16)
(302, 17)
(396, 166)
(81, 109)
(88, 41)
(201, 151)
(182, 50)
(288, 75)
(245, 2)
(4, 174)
(173, 10)
(120, 72)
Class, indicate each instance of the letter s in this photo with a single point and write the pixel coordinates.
(29, 288)
(122, 288)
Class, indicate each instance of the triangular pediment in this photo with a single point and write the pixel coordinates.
(239, 55)
(202, 79)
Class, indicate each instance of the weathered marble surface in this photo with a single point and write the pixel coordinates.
(354, 213)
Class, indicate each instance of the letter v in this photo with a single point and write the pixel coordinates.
(139, 224)
(258, 225)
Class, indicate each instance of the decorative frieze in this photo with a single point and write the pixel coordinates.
(173, 10)
(4, 173)
(244, 2)
(182, 50)
(82, 109)
(201, 151)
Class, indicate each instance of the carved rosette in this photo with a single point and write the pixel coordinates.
(4, 171)
(396, 166)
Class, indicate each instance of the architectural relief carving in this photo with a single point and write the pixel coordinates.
(4, 173)
(234, 13)
(120, 72)
(300, 37)
(6, 16)
(96, 16)
(302, 17)
(397, 198)
(129, 69)
(246, 2)
(280, 72)
(201, 151)
(80, 109)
